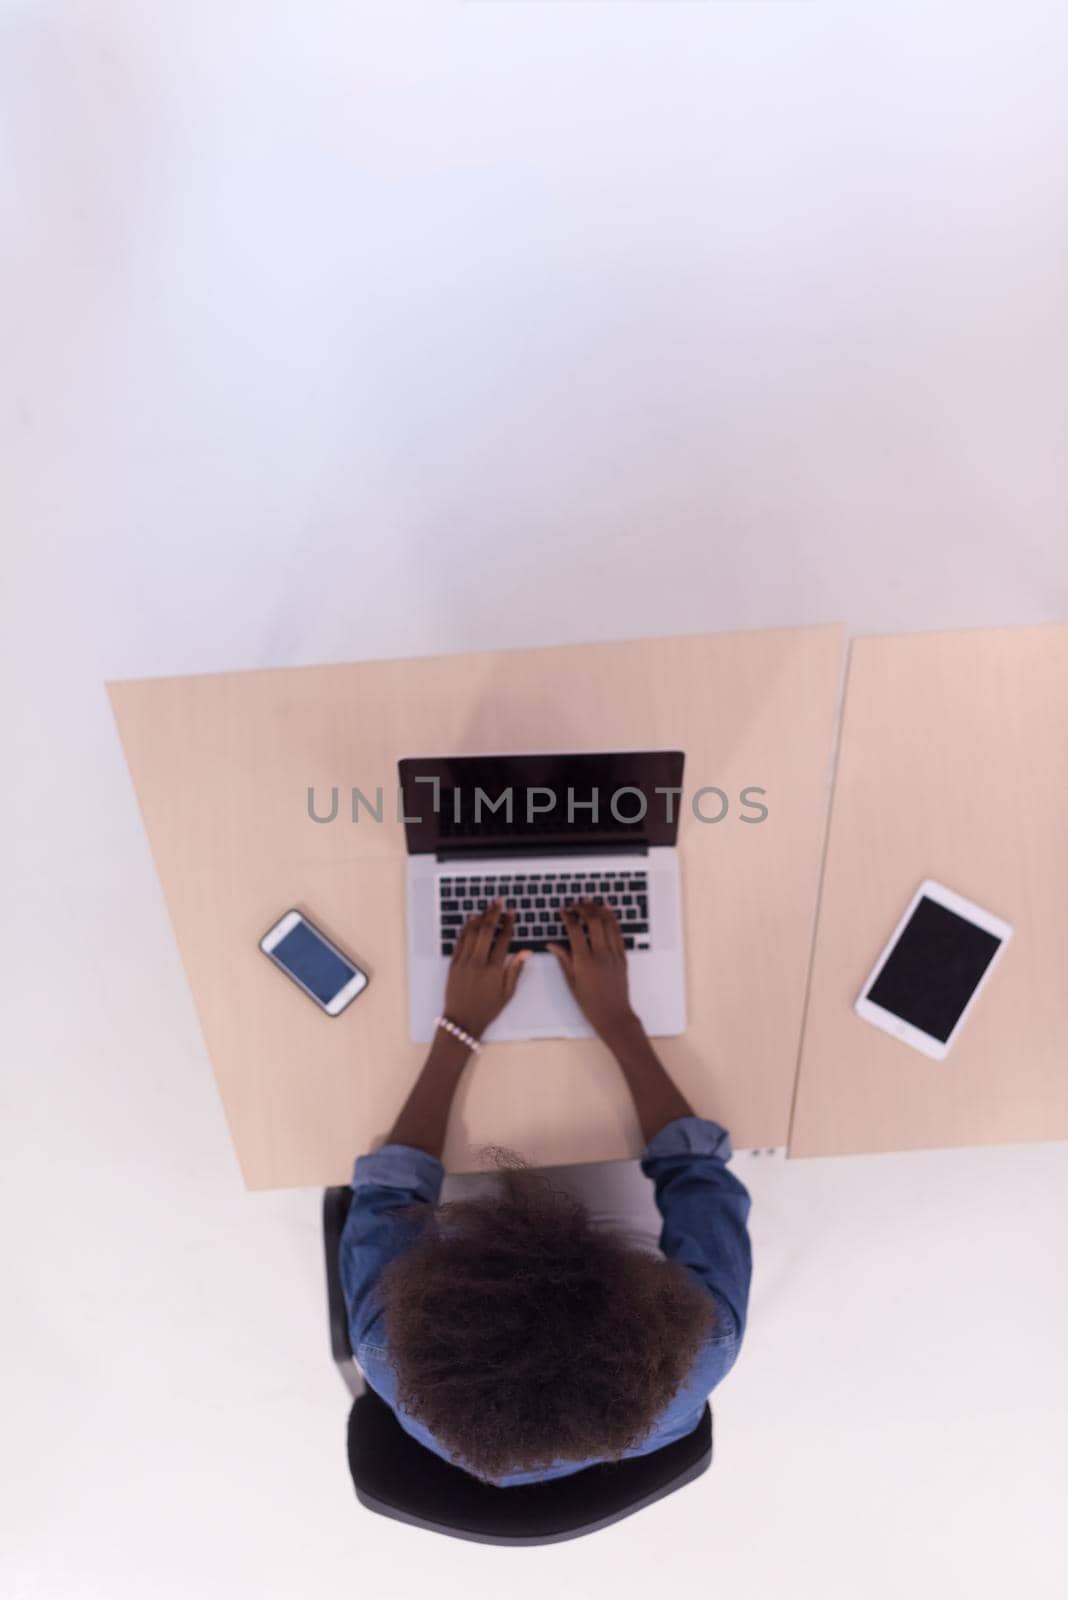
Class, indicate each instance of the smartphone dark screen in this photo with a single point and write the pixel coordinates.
(305, 955)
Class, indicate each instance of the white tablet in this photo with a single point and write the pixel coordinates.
(934, 965)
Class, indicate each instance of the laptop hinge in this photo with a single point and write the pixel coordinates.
(510, 852)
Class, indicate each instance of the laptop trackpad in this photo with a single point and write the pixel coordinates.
(542, 1007)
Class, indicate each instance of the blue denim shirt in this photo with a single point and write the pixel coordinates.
(704, 1207)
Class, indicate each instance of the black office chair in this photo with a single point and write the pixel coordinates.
(398, 1477)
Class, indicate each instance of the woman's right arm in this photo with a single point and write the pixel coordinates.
(704, 1206)
(595, 966)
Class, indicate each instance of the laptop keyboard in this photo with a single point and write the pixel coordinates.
(537, 899)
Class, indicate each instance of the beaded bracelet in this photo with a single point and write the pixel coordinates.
(458, 1033)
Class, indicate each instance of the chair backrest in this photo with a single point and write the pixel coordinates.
(396, 1476)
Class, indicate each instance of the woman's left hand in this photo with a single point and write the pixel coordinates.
(483, 976)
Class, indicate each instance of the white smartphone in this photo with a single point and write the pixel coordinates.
(932, 969)
(326, 975)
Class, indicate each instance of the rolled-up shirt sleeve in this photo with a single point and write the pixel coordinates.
(705, 1209)
(395, 1175)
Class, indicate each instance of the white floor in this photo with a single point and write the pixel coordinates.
(336, 331)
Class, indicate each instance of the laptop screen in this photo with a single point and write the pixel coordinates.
(540, 802)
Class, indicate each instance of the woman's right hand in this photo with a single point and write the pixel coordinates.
(595, 966)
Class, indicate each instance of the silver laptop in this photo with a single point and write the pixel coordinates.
(538, 832)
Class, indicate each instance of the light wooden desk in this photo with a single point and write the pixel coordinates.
(222, 764)
(953, 764)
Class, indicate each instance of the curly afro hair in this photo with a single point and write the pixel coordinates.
(522, 1335)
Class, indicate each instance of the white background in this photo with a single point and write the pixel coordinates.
(331, 331)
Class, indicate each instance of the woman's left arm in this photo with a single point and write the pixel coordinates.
(424, 1116)
(407, 1167)
(482, 979)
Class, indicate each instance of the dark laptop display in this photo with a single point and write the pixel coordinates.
(542, 802)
